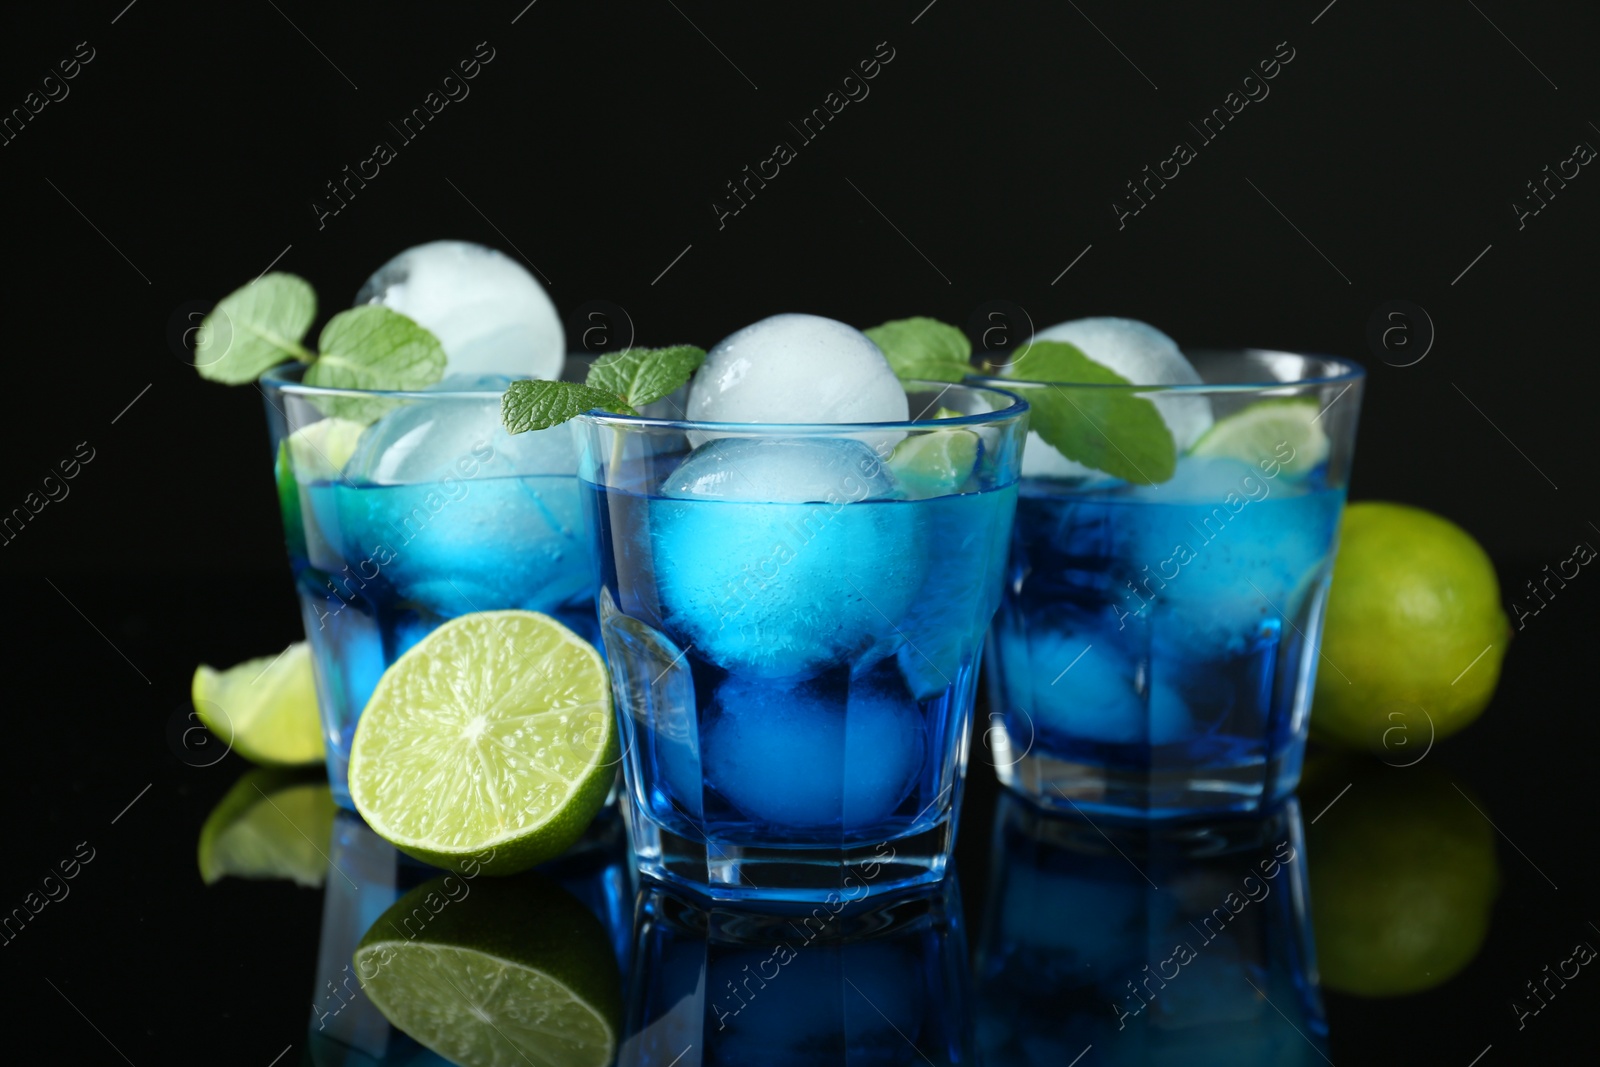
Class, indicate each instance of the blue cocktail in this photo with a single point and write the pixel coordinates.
(402, 510)
(1157, 645)
(793, 615)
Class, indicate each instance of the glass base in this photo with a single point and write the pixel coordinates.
(1087, 788)
(719, 871)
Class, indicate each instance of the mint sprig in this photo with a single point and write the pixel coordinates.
(620, 382)
(1111, 430)
(254, 328)
(924, 348)
(258, 326)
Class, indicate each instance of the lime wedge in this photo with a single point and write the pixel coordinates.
(491, 740)
(312, 453)
(264, 709)
(273, 823)
(934, 463)
(1283, 431)
(496, 974)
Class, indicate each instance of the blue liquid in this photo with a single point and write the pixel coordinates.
(794, 675)
(1078, 948)
(1166, 631)
(378, 567)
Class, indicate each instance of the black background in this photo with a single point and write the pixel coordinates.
(188, 154)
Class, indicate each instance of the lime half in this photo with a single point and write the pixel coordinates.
(500, 974)
(1284, 431)
(935, 463)
(264, 709)
(273, 823)
(491, 740)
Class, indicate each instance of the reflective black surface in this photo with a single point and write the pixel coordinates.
(1420, 901)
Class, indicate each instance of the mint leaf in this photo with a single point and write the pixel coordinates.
(373, 347)
(643, 375)
(1111, 430)
(254, 328)
(538, 405)
(924, 348)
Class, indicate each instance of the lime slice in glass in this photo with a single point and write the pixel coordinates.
(934, 463)
(491, 740)
(495, 974)
(1283, 431)
(273, 823)
(264, 709)
(312, 453)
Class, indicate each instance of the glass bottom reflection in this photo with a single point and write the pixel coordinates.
(879, 985)
(1187, 944)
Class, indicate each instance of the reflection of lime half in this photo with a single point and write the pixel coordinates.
(1285, 431)
(491, 739)
(265, 708)
(495, 974)
(935, 463)
(1403, 878)
(271, 824)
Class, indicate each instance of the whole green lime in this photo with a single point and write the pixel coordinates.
(1403, 879)
(1413, 618)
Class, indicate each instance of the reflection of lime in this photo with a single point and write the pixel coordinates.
(1413, 616)
(934, 463)
(1269, 430)
(491, 739)
(495, 974)
(265, 708)
(1403, 879)
(272, 824)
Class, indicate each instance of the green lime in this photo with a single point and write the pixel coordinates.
(265, 709)
(1413, 617)
(492, 740)
(1403, 878)
(312, 453)
(935, 463)
(1269, 430)
(273, 823)
(496, 974)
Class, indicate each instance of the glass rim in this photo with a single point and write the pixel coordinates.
(1015, 408)
(1348, 371)
(285, 378)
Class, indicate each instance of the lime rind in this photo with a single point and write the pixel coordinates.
(273, 824)
(1260, 433)
(265, 709)
(490, 742)
(935, 463)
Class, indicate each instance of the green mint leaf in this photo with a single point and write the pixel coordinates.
(537, 405)
(373, 347)
(924, 348)
(643, 375)
(1111, 430)
(254, 328)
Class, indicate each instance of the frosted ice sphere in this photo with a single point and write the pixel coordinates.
(781, 557)
(491, 315)
(1144, 356)
(797, 369)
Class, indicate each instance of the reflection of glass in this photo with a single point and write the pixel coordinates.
(880, 985)
(1403, 876)
(793, 615)
(365, 878)
(429, 512)
(1156, 648)
(1184, 945)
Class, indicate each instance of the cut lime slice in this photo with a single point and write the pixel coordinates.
(496, 974)
(312, 453)
(935, 463)
(264, 709)
(1283, 431)
(491, 740)
(273, 823)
